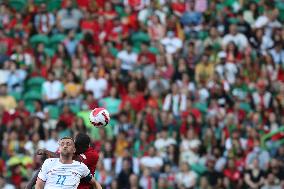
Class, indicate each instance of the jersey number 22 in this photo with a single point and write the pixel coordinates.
(61, 179)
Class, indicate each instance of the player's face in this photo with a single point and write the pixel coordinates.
(67, 147)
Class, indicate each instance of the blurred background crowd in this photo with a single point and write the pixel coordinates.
(195, 89)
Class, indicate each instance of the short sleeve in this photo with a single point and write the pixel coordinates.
(86, 174)
(85, 170)
(43, 171)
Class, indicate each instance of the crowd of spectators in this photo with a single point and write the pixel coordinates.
(195, 89)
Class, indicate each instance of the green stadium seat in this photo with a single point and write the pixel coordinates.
(35, 81)
(75, 108)
(30, 106)
(55, 39)
(39, 38)
(154, 50)
(49, 52)
(38, 2)
(140, 37)
(32, 95)
(113, 51)
(201, 107)
(53, 111)
(18, 5)
(54, 5)
(16, 95)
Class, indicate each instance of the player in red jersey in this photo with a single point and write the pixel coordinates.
(84, 153)
(87, 154)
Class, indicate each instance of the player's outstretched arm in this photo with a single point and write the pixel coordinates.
(95, 184)
(32, 182)
(47, 153)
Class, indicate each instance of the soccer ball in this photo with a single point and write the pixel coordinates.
(99, 117)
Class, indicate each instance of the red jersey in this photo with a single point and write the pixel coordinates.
(90, 158)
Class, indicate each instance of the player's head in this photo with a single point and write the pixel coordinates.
(82, 142)
(67, 147)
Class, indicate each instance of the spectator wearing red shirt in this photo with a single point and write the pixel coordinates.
(135, 98)
(67, 116)
(232, 173)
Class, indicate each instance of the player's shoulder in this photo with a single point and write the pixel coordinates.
(51, 160)
(91, 152)
(75, 162)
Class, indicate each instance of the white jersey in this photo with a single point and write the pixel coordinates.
(65, 176)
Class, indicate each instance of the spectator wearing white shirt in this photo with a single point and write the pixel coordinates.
(51, 144)
(52, 89)
(186, 178)
(96, 84)
(128, 58)
(21, 57)
(152, 161)
(163, 142)
(34, 144)
(277, 54)
(146, 181)
(233, 36)
(4, 184)
(127, 156)
(171, 43)
(175, 102)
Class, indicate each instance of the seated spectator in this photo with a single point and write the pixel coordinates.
(22, 58)
(232, 175)
(134, 162)
(111, 102)
(162, 142)
(96, 84)
(71, 43)
(204, 70)
(124, 175)
(16, 78)
(134, 182)
(156, 30)
(127, 57)
(135, 99)
(72, 89)
(102, 176)
(69, 17)
(234, 36)
(146, 180)
(8, 102)
(254, 176)
(34, 144)
(4, 184)
(52, 89)
(67, 116)
(186, 178)
(44, 20)
(260, 154)
(152, 160)
(213, 177)
(271, 182)
(175, 102)
(171, 43)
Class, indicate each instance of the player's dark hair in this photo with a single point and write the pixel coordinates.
(82, 142)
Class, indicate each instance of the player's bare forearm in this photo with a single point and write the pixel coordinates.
(32, 182)
(95, 184)
(39, 184)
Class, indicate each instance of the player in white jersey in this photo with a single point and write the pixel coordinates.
(64, 172)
